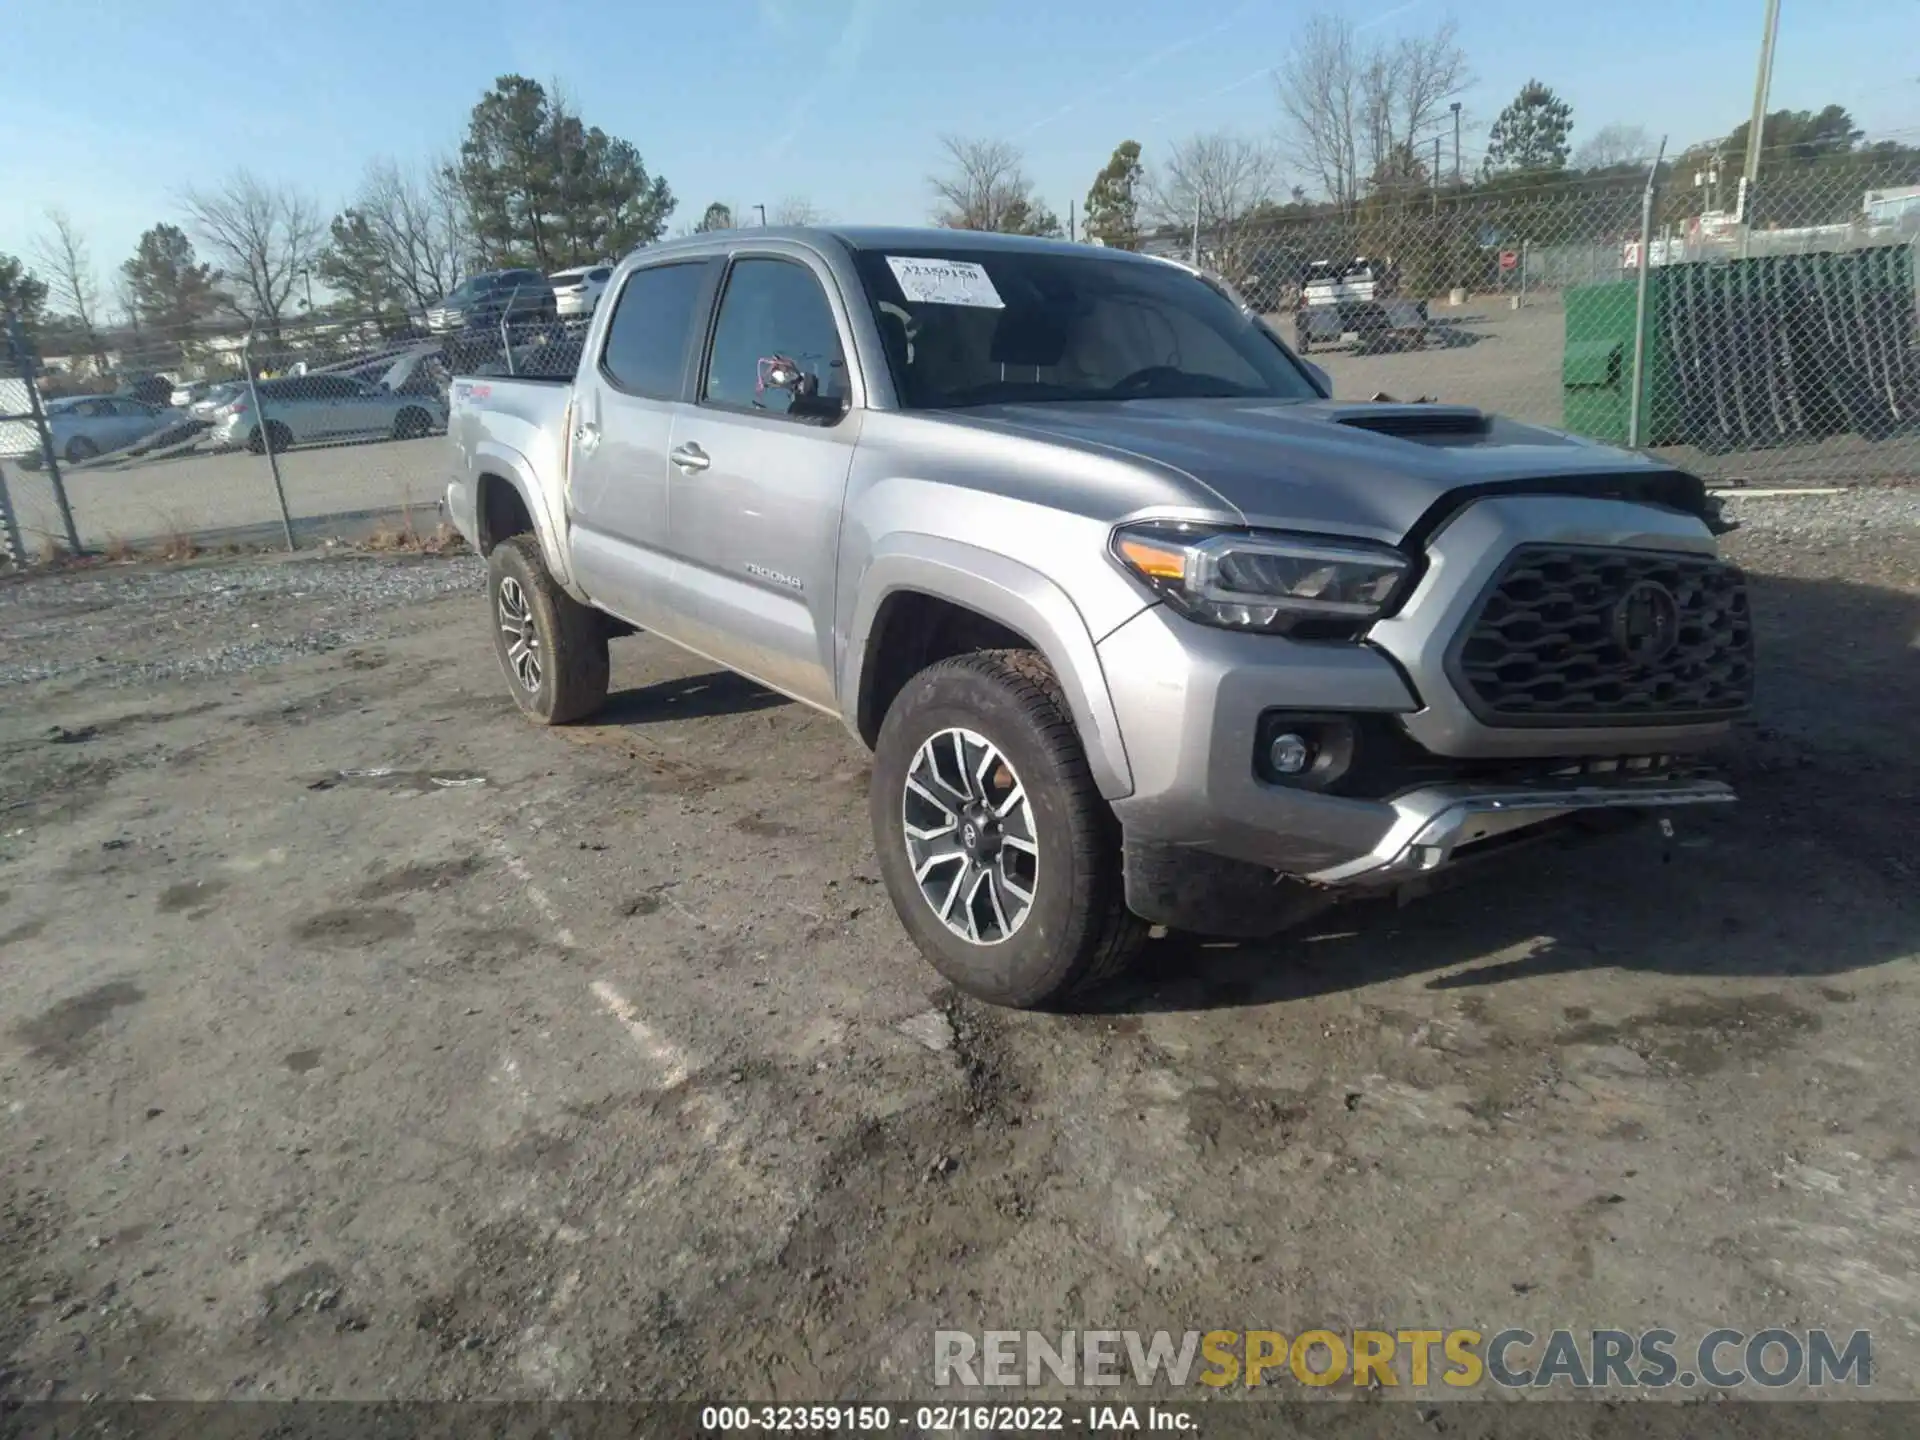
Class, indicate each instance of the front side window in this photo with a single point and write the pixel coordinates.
(1052, 326)
(646, 350)
(775, 323)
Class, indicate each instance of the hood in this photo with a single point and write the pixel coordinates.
(1374, 469)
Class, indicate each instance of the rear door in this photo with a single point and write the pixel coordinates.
(758, 477)
(622, 428)
(365, 409)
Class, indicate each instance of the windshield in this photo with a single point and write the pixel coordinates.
(1069, 327)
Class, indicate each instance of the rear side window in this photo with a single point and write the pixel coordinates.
(773, 310)
(646, 350)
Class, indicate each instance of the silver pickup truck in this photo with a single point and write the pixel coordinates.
(1142, 626)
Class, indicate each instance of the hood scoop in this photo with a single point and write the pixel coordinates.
(1419, 422)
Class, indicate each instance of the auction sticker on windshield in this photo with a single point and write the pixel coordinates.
(945, 282)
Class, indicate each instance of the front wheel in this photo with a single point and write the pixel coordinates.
(999, 854)
(552, 648)
(80, 450)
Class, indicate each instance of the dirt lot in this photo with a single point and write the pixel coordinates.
(203, 492)
(359, 1040)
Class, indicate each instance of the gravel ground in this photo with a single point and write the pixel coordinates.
(1869, 532)
(359, 1040)
(349, 600)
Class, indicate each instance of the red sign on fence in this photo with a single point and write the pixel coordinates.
(1509, 260)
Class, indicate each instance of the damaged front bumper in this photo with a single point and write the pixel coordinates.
(1435, 825)
(1430, 837)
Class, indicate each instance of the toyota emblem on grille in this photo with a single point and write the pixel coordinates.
(1646, 622)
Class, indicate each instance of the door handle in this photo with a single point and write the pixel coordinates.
(690, 457)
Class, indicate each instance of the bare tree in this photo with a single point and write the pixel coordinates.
(797, 210)
(1321, 102)
(1360, 114)
(73, 288)
(404, 238)
(1613, 145)
(1217, 180)
(985, 188)
(266, 237)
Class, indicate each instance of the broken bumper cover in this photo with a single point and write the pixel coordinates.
(1435, 825)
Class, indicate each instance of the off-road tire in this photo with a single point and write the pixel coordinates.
(571, 641)
(1078, 933)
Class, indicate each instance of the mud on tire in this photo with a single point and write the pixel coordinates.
(1003, 710)
(552, 648)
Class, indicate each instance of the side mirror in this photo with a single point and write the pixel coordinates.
(1320, 377)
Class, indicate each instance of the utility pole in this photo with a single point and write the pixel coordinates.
(1072, 233)
(1640, 298)
(1456, 142)
(763, 215)
(1434, 180)
(1763, 83)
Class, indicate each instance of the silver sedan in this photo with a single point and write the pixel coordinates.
(302, 409)
(85, 426)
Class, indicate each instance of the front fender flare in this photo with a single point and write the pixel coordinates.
(490, 457)
(1013, 595)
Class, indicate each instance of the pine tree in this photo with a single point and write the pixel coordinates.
(1113, 204)
(1531, 133)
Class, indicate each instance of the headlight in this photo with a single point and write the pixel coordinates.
(1264, 580)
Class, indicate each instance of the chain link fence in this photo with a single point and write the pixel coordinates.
(1776, 347)
(221, 433)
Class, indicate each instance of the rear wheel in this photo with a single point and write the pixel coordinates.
(552, 648)
(412, 423)
(1000, 857)
(280, 436)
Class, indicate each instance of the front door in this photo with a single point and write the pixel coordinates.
(621, 429)
(758, 474)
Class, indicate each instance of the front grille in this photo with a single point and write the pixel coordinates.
(1572, 636)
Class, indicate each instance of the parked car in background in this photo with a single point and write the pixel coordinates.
(1357, 297)
(217, 394)
(304, 408)
(577, 291)
(149, 390)
(187, 392)
(514, 295)
(85, 426)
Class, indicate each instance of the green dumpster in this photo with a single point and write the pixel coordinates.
(1745, 354)
(1596, 369)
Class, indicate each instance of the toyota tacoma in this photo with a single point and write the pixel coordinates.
(1141, 625)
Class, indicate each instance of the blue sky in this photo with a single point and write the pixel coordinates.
(114, 105)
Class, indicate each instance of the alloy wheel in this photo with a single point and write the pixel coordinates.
(523, 637)
(970, 836)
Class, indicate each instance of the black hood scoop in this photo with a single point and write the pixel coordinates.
(1419, 422)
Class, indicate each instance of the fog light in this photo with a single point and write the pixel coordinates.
(1289, 754)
